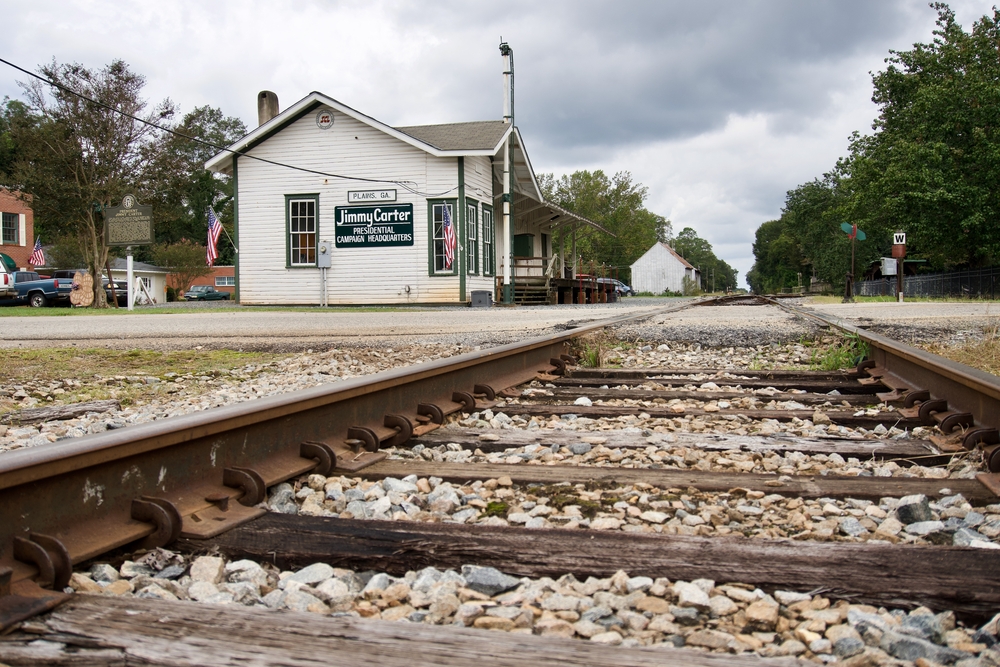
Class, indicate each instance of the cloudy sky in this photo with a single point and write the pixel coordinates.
(719, 107)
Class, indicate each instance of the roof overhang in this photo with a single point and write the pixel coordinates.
(550, 217)
(223, 161)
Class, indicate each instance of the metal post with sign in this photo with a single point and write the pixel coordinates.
(128, 225)
(899, 253)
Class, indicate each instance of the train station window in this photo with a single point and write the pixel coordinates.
(10, 228)
(303, 227)
(489, 234)
(472, 237)
(444, 260)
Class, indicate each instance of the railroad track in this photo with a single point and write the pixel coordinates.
(201, 483)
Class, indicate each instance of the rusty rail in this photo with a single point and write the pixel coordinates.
(200, 474)
(963, 402)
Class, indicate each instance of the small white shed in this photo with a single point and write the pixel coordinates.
(661, 269)
(153, 277)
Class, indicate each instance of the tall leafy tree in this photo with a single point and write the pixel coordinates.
(715, 273)
(83, 156)
(932, 164)
(615, 203)
(929, 168)
(184, 189)
(14, 114)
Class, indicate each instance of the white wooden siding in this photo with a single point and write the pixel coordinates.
(358, 275)
(479, 186)
(658, 270)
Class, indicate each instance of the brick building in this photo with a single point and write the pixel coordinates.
(222, 278)
(17, 228)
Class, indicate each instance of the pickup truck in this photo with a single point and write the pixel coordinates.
(7, 269)
(36, 291)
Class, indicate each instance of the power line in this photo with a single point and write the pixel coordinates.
(403, 184)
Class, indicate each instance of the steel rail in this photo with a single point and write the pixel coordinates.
(968, 395)
(202, 473)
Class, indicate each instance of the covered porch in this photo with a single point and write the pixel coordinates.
(544, 265)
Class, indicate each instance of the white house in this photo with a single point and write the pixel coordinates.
(323, 184)
(661, 269)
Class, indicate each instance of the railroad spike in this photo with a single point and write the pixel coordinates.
(220, 500)
(863, 367)
(404, 430)
(254, 489)
(928, 408)
(916, 396)
(322, 452)
(982, 435)
(992, 456)
(956, 420)
(485, 391)
(559, 364)
(432, 411)
(367, 437)
(466, 399)
(29, 551)
(163, 514)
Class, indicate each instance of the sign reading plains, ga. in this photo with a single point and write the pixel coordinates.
(374, 226)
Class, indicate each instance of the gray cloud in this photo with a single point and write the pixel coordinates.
(718, 106)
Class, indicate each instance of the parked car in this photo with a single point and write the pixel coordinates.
(621, 288)
(205, 293)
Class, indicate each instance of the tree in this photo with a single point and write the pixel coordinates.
(184, 259)
(616, 204)
(778, 259)
(929, 168)
(184, 189)
(932, 164)
(13, 114)
(716, 274)
(84, 156)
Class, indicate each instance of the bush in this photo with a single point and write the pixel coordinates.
(171, 294)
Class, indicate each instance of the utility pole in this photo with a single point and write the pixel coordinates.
(508, 117)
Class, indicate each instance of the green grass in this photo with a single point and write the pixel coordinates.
(54, 365)
(848, 352)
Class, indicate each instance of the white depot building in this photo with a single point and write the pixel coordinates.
(661, 269)
(335, 207)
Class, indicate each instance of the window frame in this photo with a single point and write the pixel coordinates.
(16, 226)
(471, 237)
(226, 281)
(289, 249)
(433, 239)
(489, 262)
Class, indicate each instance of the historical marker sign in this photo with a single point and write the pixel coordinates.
(128, 224)
(374, 226)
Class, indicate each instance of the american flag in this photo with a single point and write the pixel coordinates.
(449, 239)
(214, 229)
(37, 256)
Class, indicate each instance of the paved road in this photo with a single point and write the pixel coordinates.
(260, 329)
(886, 312)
